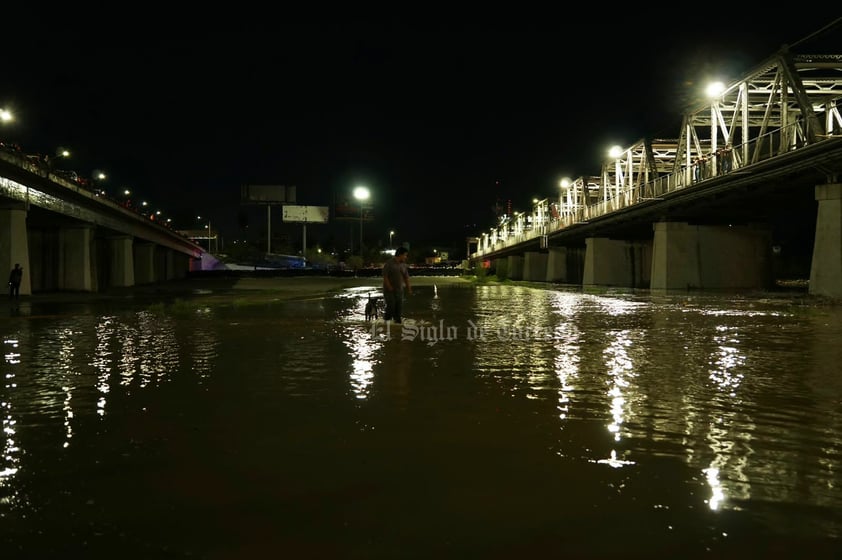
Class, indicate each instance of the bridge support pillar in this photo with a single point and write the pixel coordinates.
(535, 266)
(612, 262)
(14, 244)
(173, 265)
(826, 267)
(144, 263)
(182, 266)
(710, 257)
(556, 264)
(564, 264)
(76, 268)
(121, 261)
(515, 267)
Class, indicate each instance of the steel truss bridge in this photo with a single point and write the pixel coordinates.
(777, 129)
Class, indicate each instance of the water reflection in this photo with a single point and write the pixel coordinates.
(728, 410)
(662, 363)
(11, 452)
(363, 348)
(395, 370)
(204, 340)
(620, 373)
(567, 347)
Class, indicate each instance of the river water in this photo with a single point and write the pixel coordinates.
(499, 421)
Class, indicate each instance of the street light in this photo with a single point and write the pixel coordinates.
(714, 89)
(209, 232)
(61, 153)
(564, 201)
(98, 177)
(361, 194)
(6, 115)
(391, 233)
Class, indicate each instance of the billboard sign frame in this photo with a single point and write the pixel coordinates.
(305, 214)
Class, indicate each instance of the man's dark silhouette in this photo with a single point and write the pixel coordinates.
(15, 276)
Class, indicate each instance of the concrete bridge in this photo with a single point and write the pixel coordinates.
(70, 238)
(750, 181)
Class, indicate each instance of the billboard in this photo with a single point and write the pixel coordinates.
(308, 214)
(346, 210)
(267, 194)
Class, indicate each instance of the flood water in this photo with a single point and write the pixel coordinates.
(500, 421)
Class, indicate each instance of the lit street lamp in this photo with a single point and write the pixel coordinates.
(99, 177)
(209, 232)
(391, 233)
(61, 153)
(361, 194)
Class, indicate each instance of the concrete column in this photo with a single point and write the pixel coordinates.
(75, 269)
(515, 267)
(826, 267)
(121, 261)
(181, 265)
(617, 262)
(144, 263)
(710, 257)
(169, 268)
(535, 266)
(46, 259)
(556, 265)
(44, 251)
(14, 245)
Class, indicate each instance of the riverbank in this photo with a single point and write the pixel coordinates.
(274, 287)
(298, 287)
(292, 286)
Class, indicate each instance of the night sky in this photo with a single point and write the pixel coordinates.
(440, 119)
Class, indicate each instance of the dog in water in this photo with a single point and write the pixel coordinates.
(371, 308)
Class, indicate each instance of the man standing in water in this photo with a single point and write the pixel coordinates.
(395, 279)
(15, 277)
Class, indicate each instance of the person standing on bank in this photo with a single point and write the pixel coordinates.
(395, 279)
(15, 277)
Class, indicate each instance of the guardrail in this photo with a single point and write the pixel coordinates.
(540, 223)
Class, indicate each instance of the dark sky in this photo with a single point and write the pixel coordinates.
(438, 119)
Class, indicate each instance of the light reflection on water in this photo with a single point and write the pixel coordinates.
(653, 409)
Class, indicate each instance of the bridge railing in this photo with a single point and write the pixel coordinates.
(737, 157)
(113, 214)
(21, 191)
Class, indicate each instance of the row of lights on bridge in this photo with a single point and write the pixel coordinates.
(7, 116)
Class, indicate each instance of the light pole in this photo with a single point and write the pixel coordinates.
(98, 178)
(209, 232)
(391, 233)
(61, 153)
(565, 203)
(361, 194)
